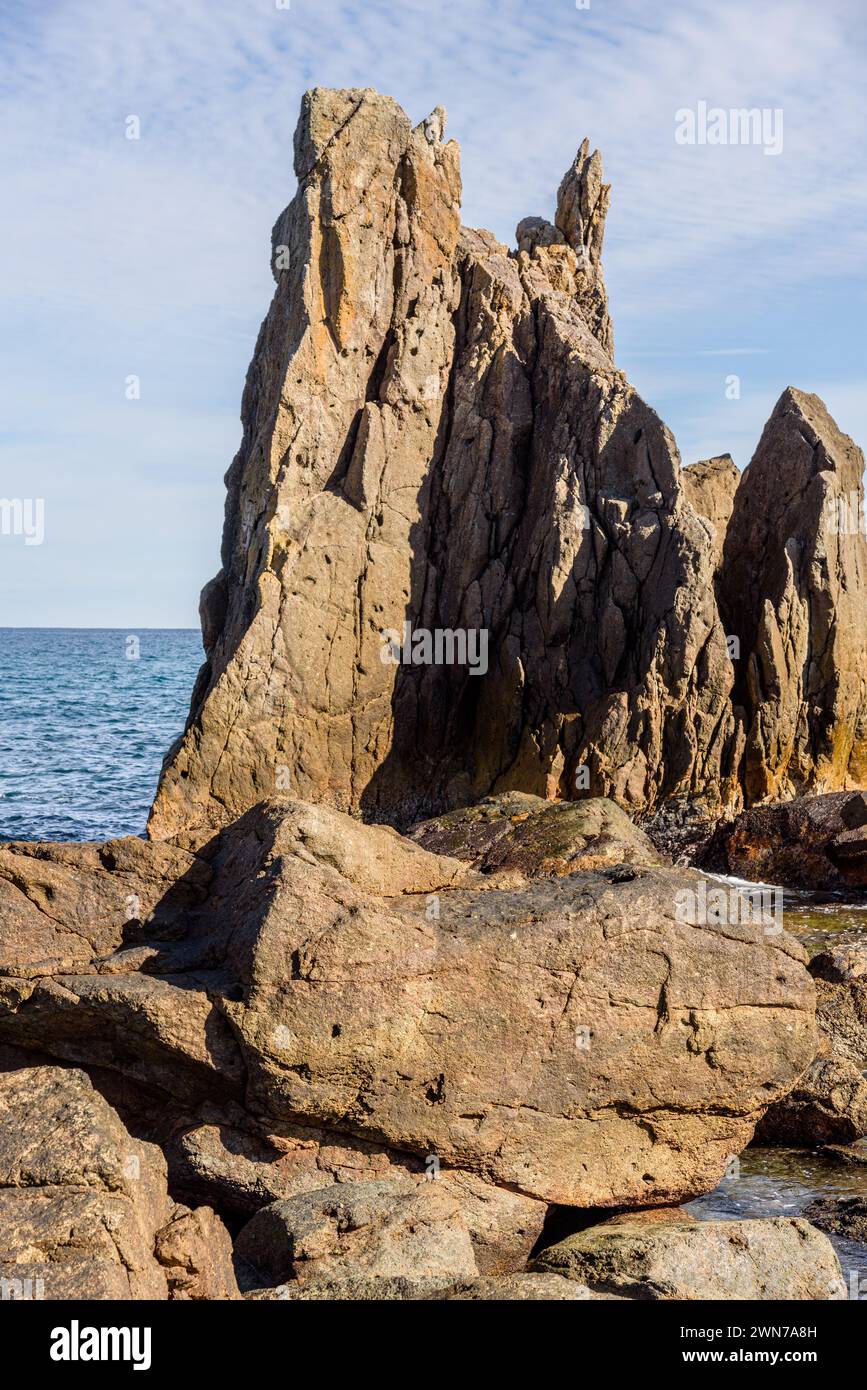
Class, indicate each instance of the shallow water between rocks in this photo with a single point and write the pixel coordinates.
(782, 1181)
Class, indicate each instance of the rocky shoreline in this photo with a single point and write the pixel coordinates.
(404, 996)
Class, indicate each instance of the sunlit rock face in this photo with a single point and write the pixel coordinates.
(437, 441)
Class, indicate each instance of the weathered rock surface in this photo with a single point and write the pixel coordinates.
(435, 434)
(809, 842)
(840, 1216)
(841, 1001)
(827, 1106)
(386, 1228)
(195, 1250)
(509, 1288)
(681, 1258)
(569, 1040)
(84, 1207)
(710, 485)
(793, 587)
(81, 1201)
(62, 905)
(846, 1155)
(516, 835)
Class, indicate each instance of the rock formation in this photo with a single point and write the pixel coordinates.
(674, 1256)
(84, 1208)
(466, 592)
(571, 1039)
(810, 842)
(793, 588)
(710, 486)
(435, 435)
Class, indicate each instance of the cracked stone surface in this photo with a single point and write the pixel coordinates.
(84, 1206)
(569, 1039)
(677, 1257)
(710, 485)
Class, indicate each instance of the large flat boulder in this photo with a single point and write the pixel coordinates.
(572, 1040)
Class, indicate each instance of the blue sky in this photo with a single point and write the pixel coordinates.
(150, 257)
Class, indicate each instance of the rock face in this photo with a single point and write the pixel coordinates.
(793, 587)
(384, 1229)
(810, 842)
(710, 486)
(570, 1040)
(682, 1258)
(841, 1001)
(435, 435)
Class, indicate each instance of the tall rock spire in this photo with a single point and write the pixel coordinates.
(438, 446)
(793, 589)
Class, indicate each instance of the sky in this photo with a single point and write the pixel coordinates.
(150, 257)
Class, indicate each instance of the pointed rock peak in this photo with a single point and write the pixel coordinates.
(433, 127)
(328, 112)
(807, 413)
(582, 203)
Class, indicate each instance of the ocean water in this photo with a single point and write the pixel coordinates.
(86, 716)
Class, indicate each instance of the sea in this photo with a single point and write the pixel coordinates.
(86, 716)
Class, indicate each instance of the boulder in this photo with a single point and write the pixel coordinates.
(840, 1216)
(379, 1229)
(223, 1160)
(509, 1288)
(195, 1250)
(84, 1207)
(846, 1155)
(517, 835)
(682, 1258)
(571, 1040)
(81, 1201)
(827, 1106)
(816, 842)
(840, 973)
(64, 905)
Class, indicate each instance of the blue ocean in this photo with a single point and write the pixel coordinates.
(86, 716)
